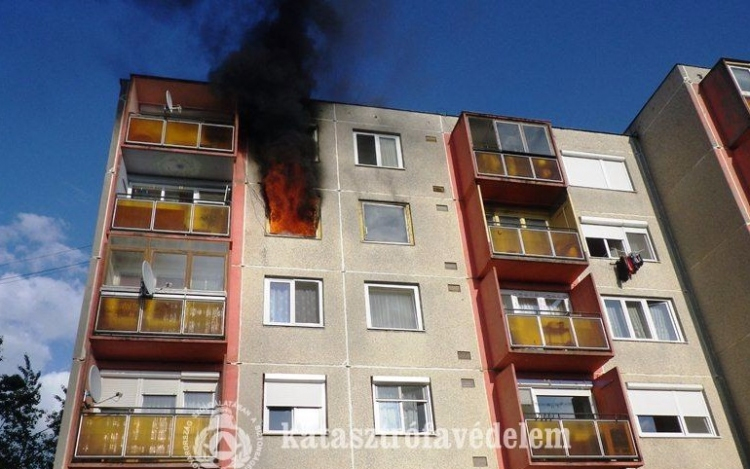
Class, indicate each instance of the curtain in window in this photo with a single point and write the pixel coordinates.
(662, 321)
(616, 318)
(393, 308)
(279, 302)
(389, 416)
(159, 402)
(638, 320)
(388, 152)
(199, 400)
(528, 304)
(306, 302)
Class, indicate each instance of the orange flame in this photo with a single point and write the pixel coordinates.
(289, 209)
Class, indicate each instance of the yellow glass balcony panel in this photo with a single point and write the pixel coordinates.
(183, 134)
(217, 137)
(172, 216)
(617, 438)
(536, 242)
(524, 330)
(545, 438)
(133, 214)
(149, 435)
(204, 317)
(101, 435)
(490, 163)
(546, 168)
(118, 314)
(187, 431)
(566, 244)
(518, 166)
(145, 130)
(557, 331)
(211, 219)
(162, 316)
(590, 333)
(505, 240)
(582, 438)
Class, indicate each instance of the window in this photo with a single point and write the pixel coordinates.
(393, 307)
(517, 301)
(556, 403)
(294, 403)
(524, 138)
(642, 319)
(402, 405)
(596, 171)
(293, 302)
(614, 238)
(378, 150)
(670, 412)
(386, 223)
(742, 76)
(159, 392)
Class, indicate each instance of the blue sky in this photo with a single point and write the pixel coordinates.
(584, 64)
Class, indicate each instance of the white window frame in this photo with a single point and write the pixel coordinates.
(394, 286)
(606, 228)
(556, 388)
(648, 316)
(602, 160)
(403, 381)
(134, 385)
(319, 380)
(407, 222)
(541, 298)
(645, 397)
(292, 309)
(732, 68)
(378, 154)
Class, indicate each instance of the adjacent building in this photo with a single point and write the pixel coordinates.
(478, 291)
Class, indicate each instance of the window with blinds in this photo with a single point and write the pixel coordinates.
(294, 403)
(671, 412)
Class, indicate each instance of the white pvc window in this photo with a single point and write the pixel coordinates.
(402, 405)
(555, 404)
(642, 319)
(671, 412)
(596, 171)
(290, 301)
(159, 392)
(391, 306)
(614, 238)
(294, 403)
(378, 150)
(532, 302)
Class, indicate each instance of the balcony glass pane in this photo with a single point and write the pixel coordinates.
(207, 273)
(118, 314)
(211, 219)
(582, 438)
(124, 268)
(162, 316)
(184, 134)
(524, 330)
(133, 214)
(217, 137)
(590, 333)
(145, 130)
(149, 435)
(545, 438)
(204, 317)
(617, 438)
(187, 430)
(172, 217)
(505, 240)
(546, 168)
(518, 166)
(169, 270)
(101, 435)
(566, 244)
(536, 242)
(490, 163)
(557, 331)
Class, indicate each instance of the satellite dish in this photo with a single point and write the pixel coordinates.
(94, 383)
(170, 105)
(148, 281)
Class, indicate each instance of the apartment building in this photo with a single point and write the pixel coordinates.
(472, 285)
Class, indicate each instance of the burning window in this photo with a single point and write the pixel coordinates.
(291, 209)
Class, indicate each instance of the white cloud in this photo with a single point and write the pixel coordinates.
(51, 387)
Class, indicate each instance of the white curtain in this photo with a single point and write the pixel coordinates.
(393, 308)
(306, 302)
(388, 152)
(638, 320)
(662, 321)
(279, 302)
(389, 418)
(616, 318)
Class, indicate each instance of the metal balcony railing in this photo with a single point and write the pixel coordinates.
(171, 216)
(538, 242)
(561, 436)
(154, 130)
(146, 433)
(556, 330)
(518, 165)
(162, 316)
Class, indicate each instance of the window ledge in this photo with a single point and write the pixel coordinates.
(293, 433)
(370, 328)
(362, 165)
(285, 324)
(427, 434)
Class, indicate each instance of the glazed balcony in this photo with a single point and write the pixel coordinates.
(160, 131)
(143, 434)
(171, 217)
(182, 328)
(552, 331)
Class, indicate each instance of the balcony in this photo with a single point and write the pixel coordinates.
(577, 331)
(144, 434)
(171, 216)
(518, 165)
(153, 130)
(182, 328)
